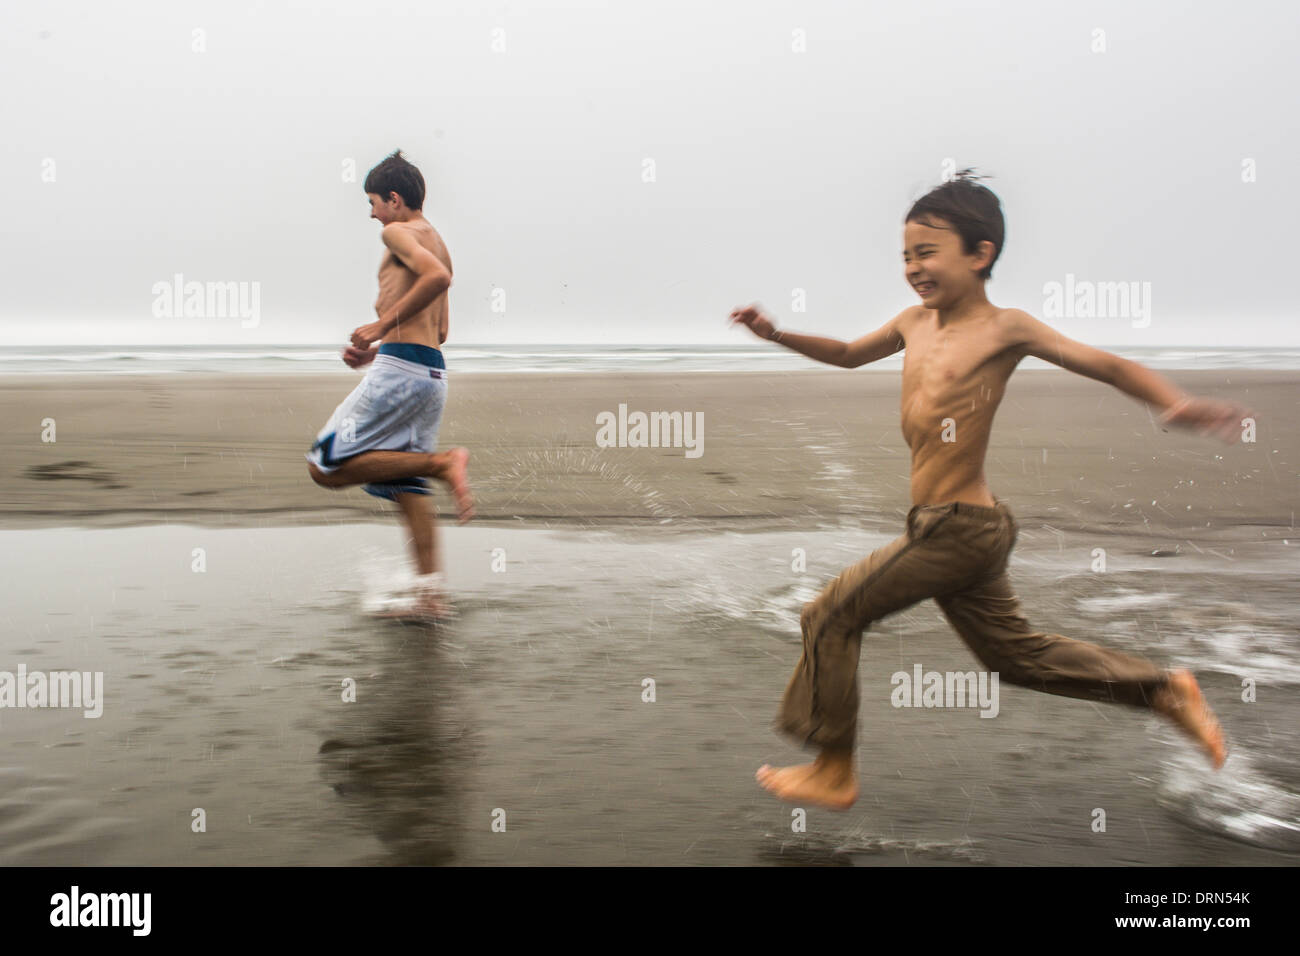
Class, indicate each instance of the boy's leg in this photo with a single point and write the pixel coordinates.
(379, 466)
(820, 705)
(987, 615)
(421, 520)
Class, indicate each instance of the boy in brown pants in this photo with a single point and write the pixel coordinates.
(961, 350)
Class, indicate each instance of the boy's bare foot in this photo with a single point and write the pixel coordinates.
(827, 782)
(456, 475)
(433, 605)
(1182, 702)
(428, 607)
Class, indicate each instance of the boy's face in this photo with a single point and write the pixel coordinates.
(384, 210)
(935, 265)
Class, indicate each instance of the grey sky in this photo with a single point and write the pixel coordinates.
(775, 170)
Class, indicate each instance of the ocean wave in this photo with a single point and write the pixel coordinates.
(83, 359)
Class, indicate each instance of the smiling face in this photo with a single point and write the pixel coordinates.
(937, 267)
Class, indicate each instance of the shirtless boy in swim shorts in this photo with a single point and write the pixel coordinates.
(961, 349)
(384, 434)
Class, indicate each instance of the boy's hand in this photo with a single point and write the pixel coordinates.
(753, 317)
(354, 357)
(364, 335)
(1208, 417)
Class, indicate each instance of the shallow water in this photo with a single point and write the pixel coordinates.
(224, 692)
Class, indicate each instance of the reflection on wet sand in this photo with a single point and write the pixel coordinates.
(398, 755)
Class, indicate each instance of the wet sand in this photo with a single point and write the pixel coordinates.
(224, 688)
(224, 691)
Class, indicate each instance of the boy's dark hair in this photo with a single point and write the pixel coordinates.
(396, 175)
(967, 207)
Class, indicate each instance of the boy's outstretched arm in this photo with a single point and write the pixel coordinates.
(1205, 415)
(883, 342)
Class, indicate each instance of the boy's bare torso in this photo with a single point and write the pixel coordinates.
(954, 377)
(395, 280)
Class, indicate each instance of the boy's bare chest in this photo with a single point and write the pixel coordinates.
(952, 376)
(939, 361)
(393, 274)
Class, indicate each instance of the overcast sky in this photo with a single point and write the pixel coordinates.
(787, 141)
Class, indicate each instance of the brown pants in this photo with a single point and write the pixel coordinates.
(956, 554)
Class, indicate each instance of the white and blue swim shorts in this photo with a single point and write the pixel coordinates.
(396, 407)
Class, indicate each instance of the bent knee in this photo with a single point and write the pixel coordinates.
(816, 620)
(322, 478)
(807, 616)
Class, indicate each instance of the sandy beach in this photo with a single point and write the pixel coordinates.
(793, 450)
(593, 570)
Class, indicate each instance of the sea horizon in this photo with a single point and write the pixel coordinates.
(298, 358)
